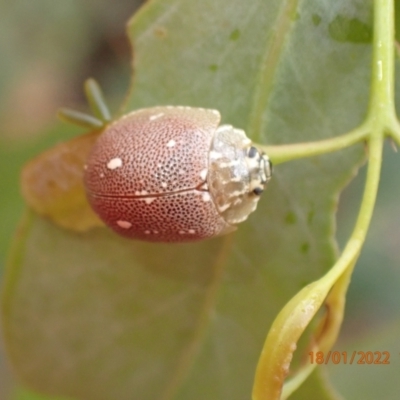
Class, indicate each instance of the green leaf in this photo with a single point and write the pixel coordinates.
(91, 315)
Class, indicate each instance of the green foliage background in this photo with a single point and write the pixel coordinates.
(47, 60)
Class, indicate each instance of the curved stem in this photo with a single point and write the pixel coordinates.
(296, 315)
(299, 311)
(283, 153)
(327, 331)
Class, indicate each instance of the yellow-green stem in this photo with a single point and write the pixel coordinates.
(292, 320)
(381, 104)
(354, 245)
(283, 153)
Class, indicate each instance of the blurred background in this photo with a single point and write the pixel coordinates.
(47, 50)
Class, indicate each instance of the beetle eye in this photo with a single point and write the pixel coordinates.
(257, 191)
(252, 152)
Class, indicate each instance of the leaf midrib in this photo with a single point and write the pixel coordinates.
(269, 65)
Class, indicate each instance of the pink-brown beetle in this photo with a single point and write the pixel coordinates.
(172, 174)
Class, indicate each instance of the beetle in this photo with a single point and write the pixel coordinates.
(173, 174)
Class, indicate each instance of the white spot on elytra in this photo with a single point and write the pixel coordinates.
(149, 200)
(206, 196)
(192, 231)
(203, 174)
(101, 175)
(181, 172)
(141, 192)
(164, 184)
(124, 224)
(147, 232)
(171, 143)
(114, 163)
(156, 116)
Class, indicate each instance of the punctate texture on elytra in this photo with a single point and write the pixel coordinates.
(171, 174)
